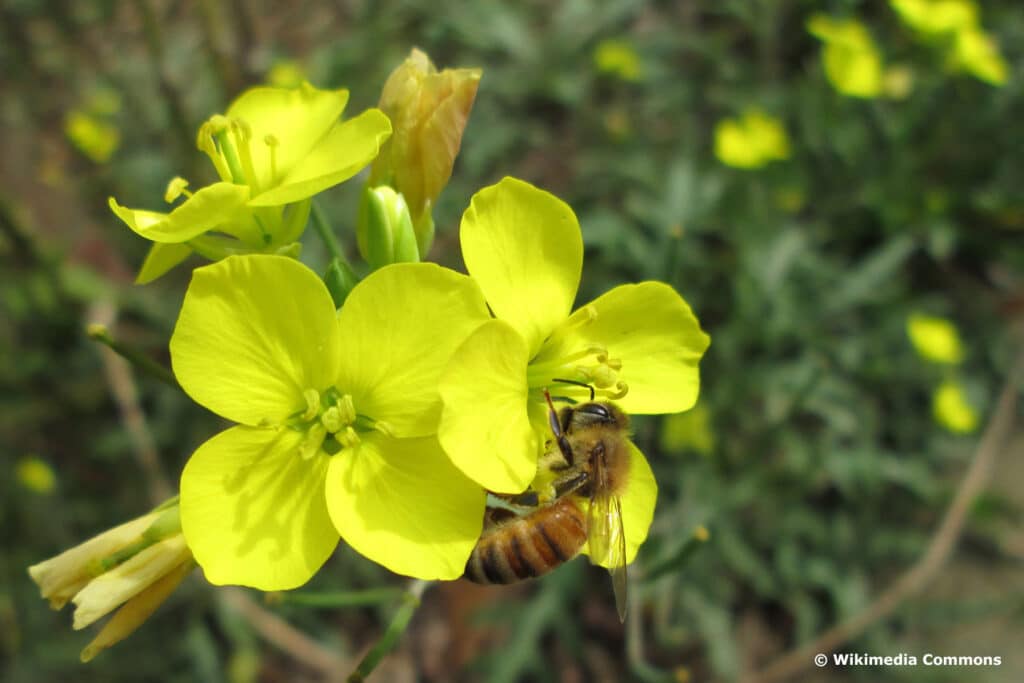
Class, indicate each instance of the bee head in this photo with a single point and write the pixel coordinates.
(594, 413)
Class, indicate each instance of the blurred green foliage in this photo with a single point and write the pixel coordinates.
(824, 473)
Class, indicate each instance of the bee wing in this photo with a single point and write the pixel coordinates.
(607, 544)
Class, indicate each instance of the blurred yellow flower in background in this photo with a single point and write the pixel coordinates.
(852, 61)
(36, 475)
(952, 410)
(92, 136)
(286, 73)
(956, 24)
(975, 52)
(618, 58)
(751, 141)
(935, 339)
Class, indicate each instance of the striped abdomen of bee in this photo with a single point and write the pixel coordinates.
(529, 546)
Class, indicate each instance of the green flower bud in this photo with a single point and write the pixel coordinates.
(385, 230)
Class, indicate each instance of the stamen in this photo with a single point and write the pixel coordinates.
(243, 136)
(331, 419)
(621, 389)
(346, 409)
(312, 397)
(271, 142)
(349, 438)
(176, 188)
(229, 154)
(310, 445)
(207, 143)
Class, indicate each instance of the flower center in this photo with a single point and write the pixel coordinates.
(229, 144)
(577, 371)
(331, 423)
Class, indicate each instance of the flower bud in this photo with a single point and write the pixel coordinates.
(134, 567)
(428, 111)
(385, 229)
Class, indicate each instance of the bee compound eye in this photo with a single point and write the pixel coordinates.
(596, 410)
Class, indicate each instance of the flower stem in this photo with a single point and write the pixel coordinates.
(323, 228)
(410, 601)
(373, 596)
(140, 360)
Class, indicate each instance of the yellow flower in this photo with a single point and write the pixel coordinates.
(952, 410)
(751, 141)
(637, 344)
(336, 416)
(91, 135)
(936, 17)
(36, 475)
(134, 567)
(976, 52)
(286, 73)
(273, 150)
(618, 58)
(852, 62)
(955, 24)
(935, 339)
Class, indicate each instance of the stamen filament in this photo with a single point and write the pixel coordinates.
(229, 154)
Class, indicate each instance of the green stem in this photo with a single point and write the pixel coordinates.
(410, 601)
(323, 228)
(140, 360)
(373, 596)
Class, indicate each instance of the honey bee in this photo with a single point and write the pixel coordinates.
(591, 449)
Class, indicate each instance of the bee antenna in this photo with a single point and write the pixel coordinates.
(575, 383)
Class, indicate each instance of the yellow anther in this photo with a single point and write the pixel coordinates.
(312, 397)
(347, 409)
(176, 188)
(603, 376)
(348, 438)
(310, 445)
(331, 419)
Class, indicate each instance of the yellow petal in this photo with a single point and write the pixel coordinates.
(209, 208)
(401, 503)
(254, 333)
(401, 325)
(485, 427)
(652, 331)
(253, 510)
(524, 247)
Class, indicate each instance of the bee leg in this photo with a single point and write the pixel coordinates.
(524, 499)
(570, 483)
(556, 429)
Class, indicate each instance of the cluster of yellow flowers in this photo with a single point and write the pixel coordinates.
(937, 341)
(379, 410)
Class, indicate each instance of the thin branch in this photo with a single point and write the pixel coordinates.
(394, 631)
(126, 395)
(940, 549)
(286, 637)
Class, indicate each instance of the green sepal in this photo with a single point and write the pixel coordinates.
(340, 280)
